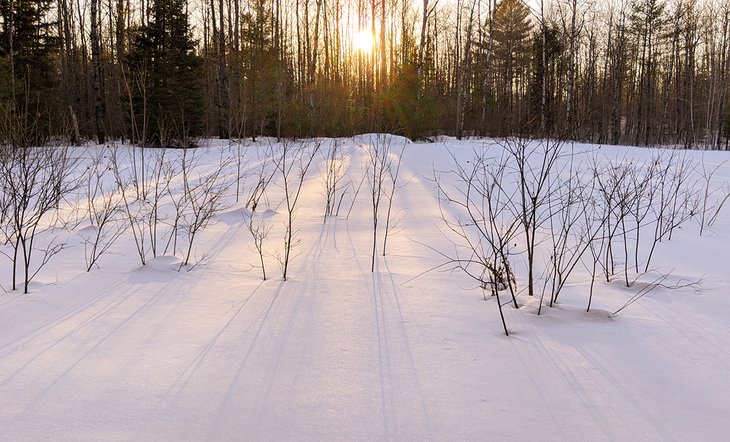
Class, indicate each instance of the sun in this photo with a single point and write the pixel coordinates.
(363, 41)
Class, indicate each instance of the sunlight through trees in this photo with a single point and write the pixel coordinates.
(644, 72)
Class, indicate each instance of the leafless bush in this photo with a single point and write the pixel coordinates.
(717, 208)
(160, 173)
(259, 230)
(177, 198)
(710, 205)
(205, 195)
(677, 200)
(393, 173)
(34, 180)
(241, 149)
(382, 176)
(336, 171)
(625, 197)
(533, 163)
(293, 163)
(575, 223)
(144, 188)
(620, 198)
(104, 209)
(132, 192)
(596, 211)
(484, 226)
(267, 169)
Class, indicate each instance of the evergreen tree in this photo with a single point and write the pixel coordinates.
(552, 51)
(511, 33)
(27, 48)
(167, 92)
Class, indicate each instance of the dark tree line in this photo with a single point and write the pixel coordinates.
(159, 72)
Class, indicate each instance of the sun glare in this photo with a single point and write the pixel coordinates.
(363, 41)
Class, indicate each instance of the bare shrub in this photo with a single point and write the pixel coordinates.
(205, 198)
(533, 163)
(484, 227)
(104, 209)
(335, 176)
(382, 172)
(267, 168)
(259, 230)
(293, 163)
(34, 180)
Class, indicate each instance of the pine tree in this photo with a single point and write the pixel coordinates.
(546, 66)
(512, 28)
(27, 71)
(167, 96)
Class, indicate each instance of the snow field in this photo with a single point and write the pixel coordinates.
(337, 352)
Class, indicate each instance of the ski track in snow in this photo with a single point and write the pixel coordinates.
(340, 353)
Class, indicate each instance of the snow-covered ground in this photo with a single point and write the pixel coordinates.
(337, 352)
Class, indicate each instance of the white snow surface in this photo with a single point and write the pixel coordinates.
(336, 352)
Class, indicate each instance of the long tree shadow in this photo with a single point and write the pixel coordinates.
(189, 371)
(101, 341)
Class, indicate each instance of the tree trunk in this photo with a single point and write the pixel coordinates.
(97, 76)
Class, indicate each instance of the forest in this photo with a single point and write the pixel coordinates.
(164, 73)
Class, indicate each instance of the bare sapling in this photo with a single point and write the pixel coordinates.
(484, 226)
(379, 163)
(34, 181)
(104, 209)
(6, 201)
(177, 197)
(293, 164)
(267, 169)
(628, 195)
(336, 170)
(155, 192)
(575, 224)
(597, 245)
(205, 194)
(676, 203)
(240, 149)
(642, 181)
(393, 173)
(259, 230)
(709, 202)
(717, 208)
(533, 163)
(613, 182)
(5, 227)
(128, 188)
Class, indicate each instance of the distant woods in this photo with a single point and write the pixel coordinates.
(163, 72)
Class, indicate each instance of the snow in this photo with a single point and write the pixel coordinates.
(335, 352)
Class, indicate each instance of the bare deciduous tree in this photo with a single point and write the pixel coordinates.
(34, 181)
(293, 164)
(105, 210)
(259, 230)
(336, 171)
(382, 172)
(534, 163)
(205, 194)
(484, 226)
